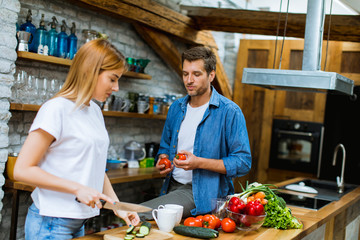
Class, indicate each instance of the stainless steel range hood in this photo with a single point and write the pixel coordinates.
(310, 78)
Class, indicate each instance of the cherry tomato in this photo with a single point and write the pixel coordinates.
(259, 209)
(192, 222)
(241, 206)
(234, 208)
(166, 162)
(234, 201)
(228, 225)
(180, 156)
(254, 208)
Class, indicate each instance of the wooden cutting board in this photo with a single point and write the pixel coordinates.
(153, 235)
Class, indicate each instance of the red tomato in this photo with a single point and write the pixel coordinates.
(228, 225)
(200, 218)
(209, 221)
(218, 222)
(180, 156)
(234, 201)
(192, 222)
(166, 162)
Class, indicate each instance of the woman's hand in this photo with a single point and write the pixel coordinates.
(131, 218)
(91, 197)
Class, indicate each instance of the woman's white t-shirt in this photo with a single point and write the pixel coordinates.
(78, 154)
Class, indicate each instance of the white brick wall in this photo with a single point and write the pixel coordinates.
(8, 16)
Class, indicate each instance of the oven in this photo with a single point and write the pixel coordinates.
(296, 146)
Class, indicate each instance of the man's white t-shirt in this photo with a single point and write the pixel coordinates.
(78, 154)
(186, 138)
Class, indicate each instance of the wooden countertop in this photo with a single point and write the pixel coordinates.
(116, 176)
(311, 220)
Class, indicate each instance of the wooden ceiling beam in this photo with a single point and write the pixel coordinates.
(151, 14)
(343, 27)
(167, 50)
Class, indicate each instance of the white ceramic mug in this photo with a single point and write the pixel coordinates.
(165, 219)
(178, 208)
(142, 106)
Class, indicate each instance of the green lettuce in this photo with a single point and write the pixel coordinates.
(278, 215)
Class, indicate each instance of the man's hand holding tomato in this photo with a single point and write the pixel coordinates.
(162, 167)
(189, 163)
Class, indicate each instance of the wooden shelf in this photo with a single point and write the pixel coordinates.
(67, 62)
(35, 108)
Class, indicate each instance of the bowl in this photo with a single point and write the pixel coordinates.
(114, 164)
(246, 222)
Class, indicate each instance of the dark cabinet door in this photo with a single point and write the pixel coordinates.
(342, 125)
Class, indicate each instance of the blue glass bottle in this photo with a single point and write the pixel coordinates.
(72, 42)
(29, 27)
(40, 36)
(52, 38)
(62, 41)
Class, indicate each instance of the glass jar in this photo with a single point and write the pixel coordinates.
(88, 35)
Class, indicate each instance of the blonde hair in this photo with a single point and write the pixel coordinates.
(91, 59)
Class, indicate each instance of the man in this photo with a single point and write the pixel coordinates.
(211, 131)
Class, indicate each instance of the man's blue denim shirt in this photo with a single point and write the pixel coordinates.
(221, 134)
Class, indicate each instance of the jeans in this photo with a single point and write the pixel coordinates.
(39, 227)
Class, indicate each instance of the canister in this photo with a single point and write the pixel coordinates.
(10, 165)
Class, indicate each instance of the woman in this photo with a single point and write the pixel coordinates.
(65, 153)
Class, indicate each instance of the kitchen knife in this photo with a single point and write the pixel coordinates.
(124, 206)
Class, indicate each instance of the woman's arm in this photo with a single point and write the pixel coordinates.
(131, 218)
(27, 170)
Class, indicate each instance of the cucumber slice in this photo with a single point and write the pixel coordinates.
(139, 235)
(130, 229)
(145, 228)
(128, 238)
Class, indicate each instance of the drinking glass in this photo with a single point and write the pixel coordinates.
(54, 86)
(17, 88)
(29, 90)
(36, 97)
(43, 91)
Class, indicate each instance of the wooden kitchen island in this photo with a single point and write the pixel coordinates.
(329, 222)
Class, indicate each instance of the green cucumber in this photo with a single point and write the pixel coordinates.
(130, 229)
(145, 228)
(197, 232)
(139, 235)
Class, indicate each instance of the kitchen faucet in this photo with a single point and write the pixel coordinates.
(340, 180)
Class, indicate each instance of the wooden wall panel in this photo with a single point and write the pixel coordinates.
(257, 105)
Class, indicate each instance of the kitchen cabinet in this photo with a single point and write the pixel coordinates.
(67, 62)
